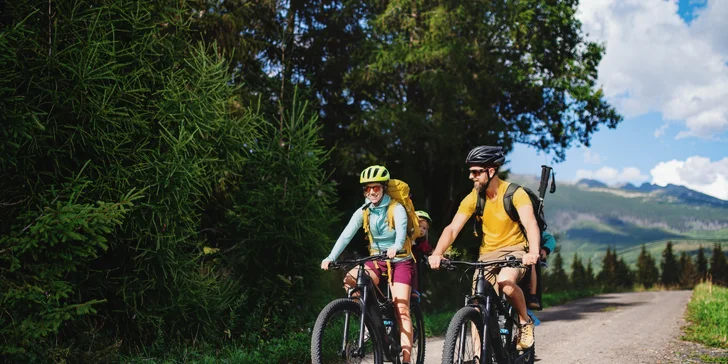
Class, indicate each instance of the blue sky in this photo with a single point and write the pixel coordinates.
(666, 71)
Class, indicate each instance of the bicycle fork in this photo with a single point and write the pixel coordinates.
(363, 294)
(491, 338)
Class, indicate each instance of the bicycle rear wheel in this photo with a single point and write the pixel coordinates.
(336, 335)
(463, 338)
(418, 335)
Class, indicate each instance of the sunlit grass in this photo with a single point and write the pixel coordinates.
(708, 316)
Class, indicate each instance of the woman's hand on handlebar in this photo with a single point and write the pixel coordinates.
(325, 264)
(391, 253)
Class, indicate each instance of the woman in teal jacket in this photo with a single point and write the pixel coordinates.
(383, 239)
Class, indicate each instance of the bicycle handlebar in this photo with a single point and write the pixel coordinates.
(352, 262)
(503, 263)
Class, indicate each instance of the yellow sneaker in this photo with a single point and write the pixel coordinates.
(525, 336)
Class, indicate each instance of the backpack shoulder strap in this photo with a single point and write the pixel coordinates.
(365, 219)
(508, 202)
(390, 213)
(478, 220)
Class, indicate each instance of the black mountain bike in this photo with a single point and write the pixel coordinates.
(485, 329)
(354, 330)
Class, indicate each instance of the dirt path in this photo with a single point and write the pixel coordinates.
(638, 327)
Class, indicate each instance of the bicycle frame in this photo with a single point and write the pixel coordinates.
(489, 304)
(370, 306)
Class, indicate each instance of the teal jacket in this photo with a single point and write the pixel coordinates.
(548, 242)
(383, 236)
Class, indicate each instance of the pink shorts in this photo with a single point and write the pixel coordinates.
(402, 272)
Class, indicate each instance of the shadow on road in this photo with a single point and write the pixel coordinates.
(577, 309)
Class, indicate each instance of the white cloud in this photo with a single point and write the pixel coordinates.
(655, 61)
(661, 130)
(592, 157)
(697, 173)
(611, 175)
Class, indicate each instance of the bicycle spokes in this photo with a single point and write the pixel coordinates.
(468, 344)
(341, 339)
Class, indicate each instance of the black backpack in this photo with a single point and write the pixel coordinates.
(510, 209)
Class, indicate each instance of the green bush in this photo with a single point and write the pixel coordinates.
(281, 207)
(234, 211)
(45, 247)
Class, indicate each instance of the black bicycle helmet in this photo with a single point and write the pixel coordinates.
(486, 156)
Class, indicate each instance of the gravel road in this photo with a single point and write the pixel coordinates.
(637, 327)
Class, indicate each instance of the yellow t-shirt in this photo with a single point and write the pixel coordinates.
(499, 231)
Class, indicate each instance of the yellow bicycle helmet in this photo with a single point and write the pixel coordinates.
(374, 174)
(423, 215)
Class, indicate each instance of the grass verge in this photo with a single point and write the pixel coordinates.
(295, 348)
(707, 314)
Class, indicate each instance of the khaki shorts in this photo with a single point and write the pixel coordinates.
(491, 273)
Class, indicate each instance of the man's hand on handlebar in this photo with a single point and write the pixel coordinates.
(435, 260)
(530, 258)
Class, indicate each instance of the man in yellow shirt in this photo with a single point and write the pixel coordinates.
(501, 235)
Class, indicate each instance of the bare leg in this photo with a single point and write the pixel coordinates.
(532, 286)
(507, 279)
(401, 295)
(350, 278)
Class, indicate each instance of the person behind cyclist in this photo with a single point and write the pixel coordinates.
(501, 236)
(421, 247)
(547, 246)
(374, 181)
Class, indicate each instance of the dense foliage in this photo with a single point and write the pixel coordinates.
(142, 201)
(415, 84)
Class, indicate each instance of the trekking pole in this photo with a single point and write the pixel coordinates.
(546, 172)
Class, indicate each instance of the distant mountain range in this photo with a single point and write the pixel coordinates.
(589, 216)
(670, 193)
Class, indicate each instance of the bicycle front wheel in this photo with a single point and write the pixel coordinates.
(335, 336)
(463, 338)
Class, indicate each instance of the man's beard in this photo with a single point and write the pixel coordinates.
(478, 186)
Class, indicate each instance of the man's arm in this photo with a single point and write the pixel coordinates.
(449, 233)
(528, 220)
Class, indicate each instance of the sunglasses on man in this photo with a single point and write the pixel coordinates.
(477, 172)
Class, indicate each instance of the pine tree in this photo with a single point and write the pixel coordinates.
(647, 274)
(718, 266)
(558, 279)
(608, 275)
(175, 208)
(625, 275)
(701, 264)
(578, 273)
(670, 267)
(589, 274)
(688, 274)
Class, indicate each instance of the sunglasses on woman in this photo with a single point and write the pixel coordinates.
(374, 189)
